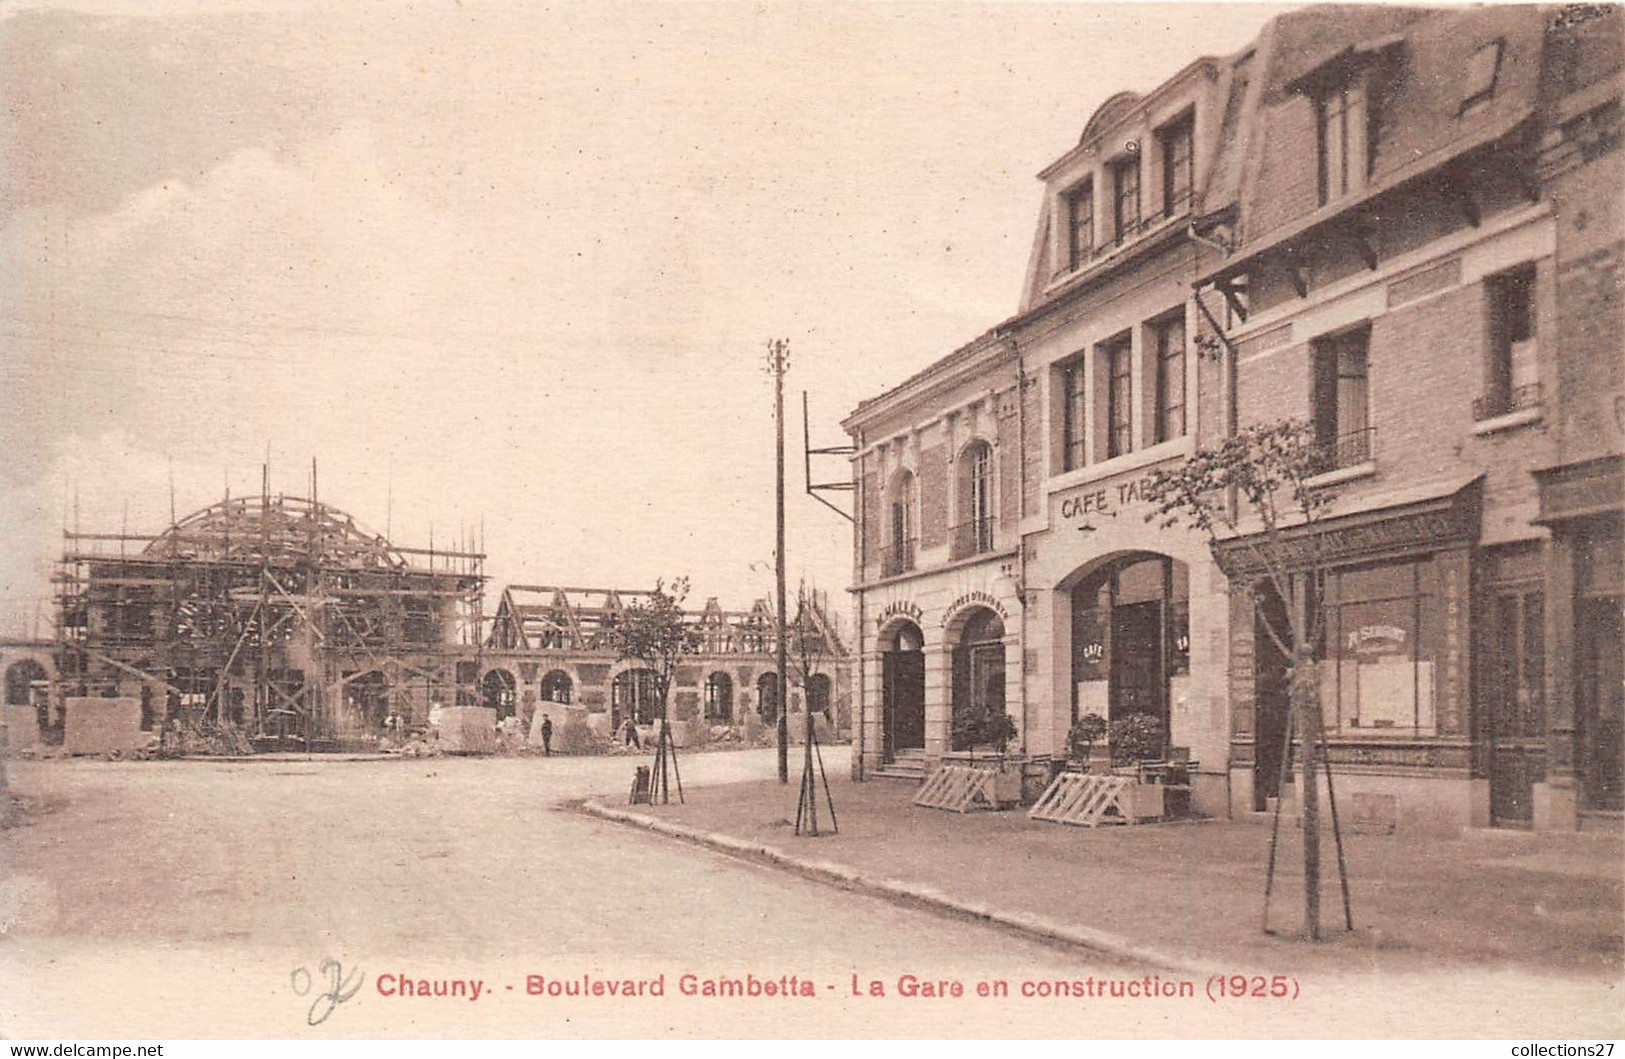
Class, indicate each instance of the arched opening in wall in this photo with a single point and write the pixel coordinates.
(818, 695)
(20, 677)
(898, 557)
(902, 689)
(767, 697)
(368, 697)
(1130, 640)
(973, 533)
(978, 675)
(634, 693)
(557, 687)
(719, 698)
(498, 690)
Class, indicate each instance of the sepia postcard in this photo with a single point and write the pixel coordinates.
(811, 520)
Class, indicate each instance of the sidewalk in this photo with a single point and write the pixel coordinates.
(1189, 895)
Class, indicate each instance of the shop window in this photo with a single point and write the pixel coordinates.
(1125, 174)
(1074, 421)
(1512, 370)
(1340, 399)
(1381, 624)
(1080, 224)
(1178, 177)
(1117, 356)
(1169, 421)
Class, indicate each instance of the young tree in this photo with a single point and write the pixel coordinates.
(655, 633)
(1252, 491)
(808, 638)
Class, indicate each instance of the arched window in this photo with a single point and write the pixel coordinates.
(974, 532)
(719, 698)
(818, 693)
(634, 692)
(556, 687)
(19, 677)
(767, 697)
(899, 553)
(497, 688)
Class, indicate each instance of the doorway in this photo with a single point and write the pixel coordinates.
(1514, 699)
(902, 680)
(1600, 697)
(978, 676)
(1272, 698)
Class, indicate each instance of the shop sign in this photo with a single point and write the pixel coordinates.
(1377, 639)
(979, 597)
(1105, 499)
(899, 608)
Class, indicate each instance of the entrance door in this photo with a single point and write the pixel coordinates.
(1272, 700)
(903, 688)
(1600, 696)
(1139, 684)
(1514, 705)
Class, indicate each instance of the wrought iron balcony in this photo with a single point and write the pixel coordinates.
(1505, 402)
(1346, 450)
(897, 559)
(971, 538)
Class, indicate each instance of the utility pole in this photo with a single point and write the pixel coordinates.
(778, 360)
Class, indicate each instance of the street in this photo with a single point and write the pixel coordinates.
(179, 898)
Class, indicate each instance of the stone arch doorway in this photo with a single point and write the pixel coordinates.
(499, 690)
(902, 689)
(719, 698)
(978, 673)
(20, 678)
(1130, 638)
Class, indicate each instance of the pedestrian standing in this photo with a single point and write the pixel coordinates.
(547, 736)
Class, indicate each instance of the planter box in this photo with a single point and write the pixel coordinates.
(1145, 801)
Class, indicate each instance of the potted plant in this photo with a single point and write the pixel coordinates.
(1085, 733)
(1134, 738)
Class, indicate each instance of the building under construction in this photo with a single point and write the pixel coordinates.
(275, 619)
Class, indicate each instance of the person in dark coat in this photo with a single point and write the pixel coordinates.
(547, 735)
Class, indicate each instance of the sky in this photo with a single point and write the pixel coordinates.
(507, 271)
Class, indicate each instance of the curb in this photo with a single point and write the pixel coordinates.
(899, 891)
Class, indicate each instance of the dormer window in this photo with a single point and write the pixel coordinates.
(1125, 177)
(1176, 157)
(1482, 70)
(1080, 223)
(1342, 139)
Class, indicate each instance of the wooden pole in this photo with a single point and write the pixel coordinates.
(779, 349)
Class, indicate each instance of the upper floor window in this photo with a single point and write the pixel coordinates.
(974, 533)
(1178, 175)
(899, 556)
(1340, 399)
(1119, 360)
(1342, 139)
(1073, 418)
(1080, 223)
(1482, 70)
(1512, 369)
(1125, 173)
(1170, 415)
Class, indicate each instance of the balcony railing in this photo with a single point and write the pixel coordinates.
(1505, 402)
(897, 559)
(1345, 450)
(971, 538)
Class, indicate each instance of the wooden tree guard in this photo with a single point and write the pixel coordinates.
(1083, 799)
(960, 788)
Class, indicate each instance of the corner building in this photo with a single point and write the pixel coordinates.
(1399, 225)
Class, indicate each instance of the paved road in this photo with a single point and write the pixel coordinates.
(178, 899)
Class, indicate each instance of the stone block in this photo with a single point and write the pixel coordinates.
(468, 730)
(102, 726)
(22, 726)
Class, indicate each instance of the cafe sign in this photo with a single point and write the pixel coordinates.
(1106, 499)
